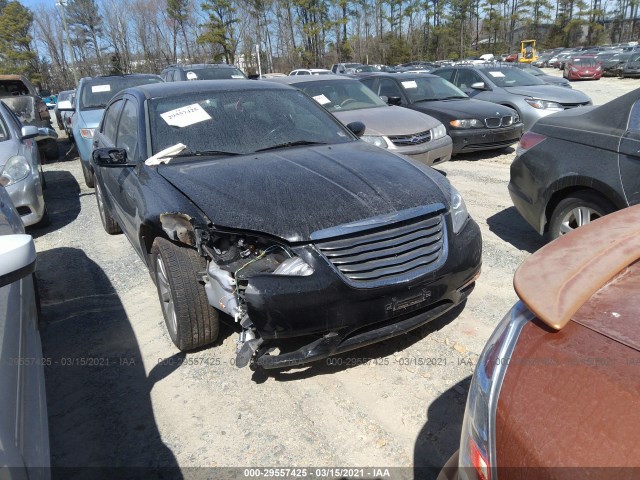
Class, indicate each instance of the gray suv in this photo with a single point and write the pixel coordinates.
(531, 97)
(201, 71)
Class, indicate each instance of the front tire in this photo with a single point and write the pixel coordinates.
(89, 178)
(190, 320)
(108, 222)
(577, 210)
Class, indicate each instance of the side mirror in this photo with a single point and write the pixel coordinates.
(17, 258)
(29, 131)
(384, 98)
(45, 132)
(479, 86)
(357, 128)
(394, 100)
(65, 106)
(110, 157)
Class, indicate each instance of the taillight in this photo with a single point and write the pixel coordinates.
(480, 463)
(527, 141)
(477, 460)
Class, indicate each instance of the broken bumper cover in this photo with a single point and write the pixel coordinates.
(344, 318)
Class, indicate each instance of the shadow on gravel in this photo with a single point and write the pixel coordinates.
(62, 198)
(67, 151)
(101, 422)
(511, 227)
(482, 155)
(440, 436)
(355, 358)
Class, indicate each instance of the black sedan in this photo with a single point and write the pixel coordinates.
(578, 165)
(472, 124)
(250, 203)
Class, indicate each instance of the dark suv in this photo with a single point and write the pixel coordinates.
(201, 71)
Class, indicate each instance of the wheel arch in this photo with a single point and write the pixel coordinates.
(567, 186)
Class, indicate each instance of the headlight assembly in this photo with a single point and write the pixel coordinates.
(467, 123)
(544, 104)
(459, 212)
(376, 140)
(17, 168)
(294, 266)
(438, 132)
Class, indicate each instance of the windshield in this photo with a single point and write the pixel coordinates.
(584, 62)
(241, 122)
(341, 95)
(421, 89)
(535, 71)
(214, 73)
(512, 77)
(97, 92)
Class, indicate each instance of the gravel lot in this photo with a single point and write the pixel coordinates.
(120, 395)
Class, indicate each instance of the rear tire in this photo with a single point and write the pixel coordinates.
(577, 210)
(89, 178)
(190, 320)
(108, 222)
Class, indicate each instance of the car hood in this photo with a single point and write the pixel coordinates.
(462, 108)
(291, 193)
(552, 93)
(388, 120)
(554, 80)
(89, 118)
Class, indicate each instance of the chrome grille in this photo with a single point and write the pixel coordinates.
(496, 122)
(411, 139)
(397, 253)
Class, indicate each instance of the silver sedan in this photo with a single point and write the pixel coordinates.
(20, 171)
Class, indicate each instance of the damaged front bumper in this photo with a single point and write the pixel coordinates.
(335, 314)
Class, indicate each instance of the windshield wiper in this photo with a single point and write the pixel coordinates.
(290, 144)
(199, 153)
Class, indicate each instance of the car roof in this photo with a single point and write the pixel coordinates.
(400, 75)
(124, 75)
(201, 66)
(310, 78)
(170, 89)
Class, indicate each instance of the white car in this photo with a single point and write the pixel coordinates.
(20, 170)
(310, 71)
(24, 430)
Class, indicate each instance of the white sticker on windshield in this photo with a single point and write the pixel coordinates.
(321, 99)
(192, 76)
(100, 88)
(410, 84)
(185, 116)
(496, 74)
(237, 76)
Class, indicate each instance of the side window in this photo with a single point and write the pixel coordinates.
(368, 82)
(389, 88)
(128, 129)
(466, 78)
(634, 117)
(446, 74)
(110, 121)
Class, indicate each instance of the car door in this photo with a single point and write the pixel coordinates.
(127, 178)
(104, 138)
(629, 157)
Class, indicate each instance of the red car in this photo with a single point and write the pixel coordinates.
(512, 58)
(582, 68)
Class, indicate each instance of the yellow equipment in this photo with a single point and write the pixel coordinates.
(528, 52)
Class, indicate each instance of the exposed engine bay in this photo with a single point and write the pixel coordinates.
(233, 260)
